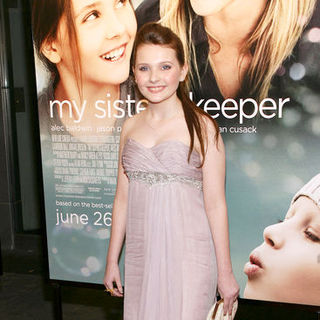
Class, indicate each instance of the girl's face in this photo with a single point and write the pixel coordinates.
(158, 72)
(105, 32)
(286, 266)
(208, 7)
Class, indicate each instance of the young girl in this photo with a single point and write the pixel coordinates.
(244, 41)
(285, 267)
(170, 198)
(86, 45)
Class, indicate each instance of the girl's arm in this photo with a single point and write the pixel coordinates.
(118, 228)
(216, 209)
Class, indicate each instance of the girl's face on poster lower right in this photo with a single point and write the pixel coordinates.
(286, 266)
(105, 32)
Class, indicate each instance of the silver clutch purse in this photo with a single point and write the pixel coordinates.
(216, 311)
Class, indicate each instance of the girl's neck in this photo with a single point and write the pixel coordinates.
(232, 25)
(165, 110)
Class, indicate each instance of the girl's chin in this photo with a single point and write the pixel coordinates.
(258, 294)
(120, 78)
(253, 295)
(204, 11)
(247, 293)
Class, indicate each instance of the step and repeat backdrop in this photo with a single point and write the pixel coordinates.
(264, 94)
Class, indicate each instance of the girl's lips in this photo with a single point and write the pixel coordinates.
(114, 54)
(254, 266)
(155, 89)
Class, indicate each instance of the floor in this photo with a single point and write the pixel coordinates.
(26, 294)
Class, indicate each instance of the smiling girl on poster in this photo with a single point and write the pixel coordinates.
(170, 199)
(234, 47)
(86, 45)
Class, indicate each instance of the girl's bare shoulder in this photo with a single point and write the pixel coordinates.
(132, 123)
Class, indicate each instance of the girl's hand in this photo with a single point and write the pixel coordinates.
(111, 276)
(229, 291)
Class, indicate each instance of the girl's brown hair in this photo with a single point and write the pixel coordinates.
(156, 34)
(46, 17)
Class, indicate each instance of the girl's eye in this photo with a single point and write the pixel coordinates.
(311, 236)
(120, 3)
(91, 16)
(143, 68)
(166, 67)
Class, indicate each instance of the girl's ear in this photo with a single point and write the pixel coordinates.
(184, 72)
(50, 50)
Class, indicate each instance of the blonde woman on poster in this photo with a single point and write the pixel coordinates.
(170, 201)
(234, 47)
(86, 46)
(285, 267)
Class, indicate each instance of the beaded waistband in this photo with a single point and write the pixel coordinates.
(152, 178)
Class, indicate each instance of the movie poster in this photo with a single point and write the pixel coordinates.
(82, 58)
(270, 127)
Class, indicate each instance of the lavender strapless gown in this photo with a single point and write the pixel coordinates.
(170, 264)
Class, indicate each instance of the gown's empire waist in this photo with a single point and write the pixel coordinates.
(153, 178)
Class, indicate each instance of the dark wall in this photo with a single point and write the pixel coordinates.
(20, 164)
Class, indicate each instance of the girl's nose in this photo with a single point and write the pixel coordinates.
(274, 235)
(154, 76)
(114, 26)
